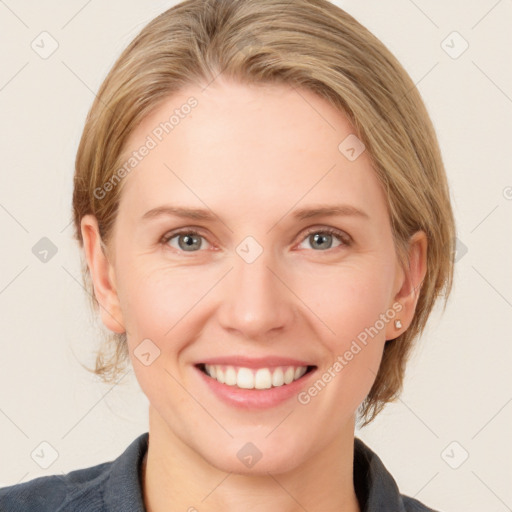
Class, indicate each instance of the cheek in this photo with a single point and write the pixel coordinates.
(154, 299)
(348, 299)
(353, 352)
(157, 304)
(351, 308)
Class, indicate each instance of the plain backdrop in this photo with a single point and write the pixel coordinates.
(447, 439)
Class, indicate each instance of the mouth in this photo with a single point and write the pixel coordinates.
(255, 378)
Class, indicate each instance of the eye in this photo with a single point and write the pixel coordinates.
(187, 239)
(322, 238)
(190, 240)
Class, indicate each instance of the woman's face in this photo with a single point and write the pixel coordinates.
(255, 279)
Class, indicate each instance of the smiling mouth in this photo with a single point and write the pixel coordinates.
(255, 378)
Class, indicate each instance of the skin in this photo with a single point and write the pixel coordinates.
(252, 155)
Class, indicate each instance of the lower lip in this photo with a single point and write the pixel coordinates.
(255, 398)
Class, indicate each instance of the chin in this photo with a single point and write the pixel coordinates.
(250, 460)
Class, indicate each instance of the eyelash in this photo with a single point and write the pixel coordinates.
(345, 239)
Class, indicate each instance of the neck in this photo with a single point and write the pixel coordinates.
(176, 478)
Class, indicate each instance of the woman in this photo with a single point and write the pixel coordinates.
(266, 226)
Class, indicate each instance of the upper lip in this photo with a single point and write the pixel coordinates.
(254, 362)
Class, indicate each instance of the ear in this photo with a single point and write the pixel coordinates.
(102, 274)
(408, 285)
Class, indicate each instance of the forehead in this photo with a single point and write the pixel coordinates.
(248, 147)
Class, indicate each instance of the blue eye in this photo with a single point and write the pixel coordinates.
(190, 240)
(320, 235)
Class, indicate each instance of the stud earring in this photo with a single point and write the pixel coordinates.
(398, 324)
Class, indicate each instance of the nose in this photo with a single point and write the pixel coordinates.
(257, 302)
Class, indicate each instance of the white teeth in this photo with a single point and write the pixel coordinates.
(247, 378)
(278, 377)
(289, 374)
(263, 379)
(230, 376)
(299, 372)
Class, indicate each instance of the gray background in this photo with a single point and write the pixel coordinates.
(458, 393)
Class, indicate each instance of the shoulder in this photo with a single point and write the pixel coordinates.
(77, 490)
(413, 505)
(114, 485)
(376, 488)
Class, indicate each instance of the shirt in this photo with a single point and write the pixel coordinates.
(116, 486)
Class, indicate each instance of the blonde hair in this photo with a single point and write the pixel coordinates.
(304, 43)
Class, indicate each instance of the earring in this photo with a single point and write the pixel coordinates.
(398, 324)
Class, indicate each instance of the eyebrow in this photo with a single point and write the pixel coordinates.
(300, 214)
